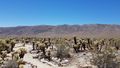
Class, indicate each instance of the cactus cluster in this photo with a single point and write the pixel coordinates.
(59, 48)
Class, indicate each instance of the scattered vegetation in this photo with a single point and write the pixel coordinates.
(104, 51)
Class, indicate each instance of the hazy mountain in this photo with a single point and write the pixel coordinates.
(92, 30)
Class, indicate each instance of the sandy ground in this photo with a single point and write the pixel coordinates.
(82, 59)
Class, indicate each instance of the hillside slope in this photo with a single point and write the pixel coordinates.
(91, 30)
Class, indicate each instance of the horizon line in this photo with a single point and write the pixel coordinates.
(57, 25)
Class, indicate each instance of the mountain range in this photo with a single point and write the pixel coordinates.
(87, 30)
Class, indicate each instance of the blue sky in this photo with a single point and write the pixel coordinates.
(57, 12)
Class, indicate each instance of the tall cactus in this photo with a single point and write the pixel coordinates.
(33, 45)
(12, 45)
(75, 40)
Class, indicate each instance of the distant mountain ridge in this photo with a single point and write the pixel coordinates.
(90, 30)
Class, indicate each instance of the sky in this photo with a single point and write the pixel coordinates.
(58, 12)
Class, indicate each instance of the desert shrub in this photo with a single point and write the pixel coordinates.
(62, 50)
(105, 59)
(10, 64)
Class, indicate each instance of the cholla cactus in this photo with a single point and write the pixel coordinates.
(7, 41)
(41, 46)
(1, 61)
(75, 40)
(3, 46)
(76, 48)
(4, 54)
(12, 43)
(117, 44)
(33, 45)
(22, 52)
(15, 56)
